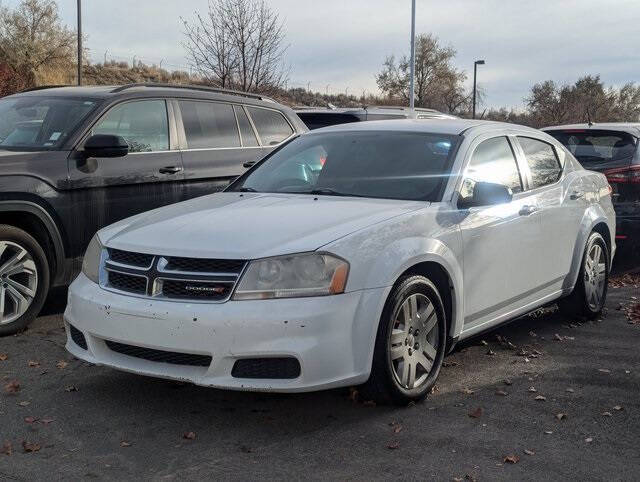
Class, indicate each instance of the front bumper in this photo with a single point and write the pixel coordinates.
(332, 337)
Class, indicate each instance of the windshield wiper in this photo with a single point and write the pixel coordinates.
(246, 189)
(327, 191)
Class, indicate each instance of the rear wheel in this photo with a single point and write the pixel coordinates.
(410, 344)
(590, 292)
(24, 279)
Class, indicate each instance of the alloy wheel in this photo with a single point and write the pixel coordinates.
(413, 341)
(595, 276)
(18, 281)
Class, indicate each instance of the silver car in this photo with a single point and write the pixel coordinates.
(355, 254)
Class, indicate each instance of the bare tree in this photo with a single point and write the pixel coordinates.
(33, 38)
(438, 84)
(239, 44)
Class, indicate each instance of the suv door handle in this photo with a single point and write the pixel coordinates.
(170, 170)
(527, 210)
(576, 195)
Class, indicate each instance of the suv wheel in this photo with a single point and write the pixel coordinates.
(24, 279)
(590, 292)
(410, 344)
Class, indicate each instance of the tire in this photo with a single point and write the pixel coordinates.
(390, 379)
(24, 284)
(590, 292)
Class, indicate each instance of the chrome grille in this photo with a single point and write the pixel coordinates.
(171, 278)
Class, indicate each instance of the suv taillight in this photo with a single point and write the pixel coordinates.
(625, 175)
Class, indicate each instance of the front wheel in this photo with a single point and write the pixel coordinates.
(590, 292)
(24, 279)
(410, 344)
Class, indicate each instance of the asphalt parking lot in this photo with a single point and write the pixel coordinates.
(559, 398)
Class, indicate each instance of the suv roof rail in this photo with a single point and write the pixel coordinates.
(205, 88)
(42, 87)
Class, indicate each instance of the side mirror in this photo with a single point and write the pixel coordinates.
(487, 194)
(105, 145)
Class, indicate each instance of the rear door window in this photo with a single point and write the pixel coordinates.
(209, 125)
(246, 131)
(143, 125)
(542, 160)
(272, 127)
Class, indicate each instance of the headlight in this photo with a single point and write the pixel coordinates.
(91, 260)
(310, 274)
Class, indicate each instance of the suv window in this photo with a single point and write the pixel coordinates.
(543, 162)
(142, 124)
(271, 125)
(493, 161)
(209, 125)
(246, 131)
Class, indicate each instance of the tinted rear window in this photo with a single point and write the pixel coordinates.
(317, 120)
(598, 148)
(271, 125)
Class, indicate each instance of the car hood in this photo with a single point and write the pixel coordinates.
(250, 225)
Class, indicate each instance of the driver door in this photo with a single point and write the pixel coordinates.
(500, 242)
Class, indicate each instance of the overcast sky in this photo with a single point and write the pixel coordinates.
(344, 42)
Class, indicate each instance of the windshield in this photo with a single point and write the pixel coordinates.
(598, 148)
(390, 165)
(37, 122)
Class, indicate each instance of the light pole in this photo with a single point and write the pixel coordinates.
(79, 42)
(413, 54)
(475, 73)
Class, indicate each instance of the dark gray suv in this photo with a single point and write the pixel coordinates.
(75, 159)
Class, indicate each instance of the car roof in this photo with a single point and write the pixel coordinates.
(432, 126)
(630, 127)
(146, 90)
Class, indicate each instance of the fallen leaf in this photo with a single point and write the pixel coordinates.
(70, 388)
(532, 389)
(393, 445)
(490, 352)
(7, 448)
(12, 387)
(125, 444)
(541, 398)
(397, 428)
(30, 419)
(467, 391)
(561, 416)
(189, 435)
(569, 390)
(484, 342)
(604, 370)
(627, 371)
(548, 432)
(33, 363)
(4, 357)
(607, 414)
(511, 459)
(353, 394)
(529, 452)
(24, 403)
(477, 413)
(502, 393)
(62, 364)
(30, 447)
(558, 337)
(589, 440)
(617, 408)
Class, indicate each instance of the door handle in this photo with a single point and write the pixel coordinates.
(248, 164)
(170, 170)
(527, 210)
(576, 195)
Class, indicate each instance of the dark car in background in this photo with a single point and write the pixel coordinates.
(317, 117)
(610, 148)
(75, 159)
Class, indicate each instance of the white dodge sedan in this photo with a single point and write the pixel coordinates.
(356, 254)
